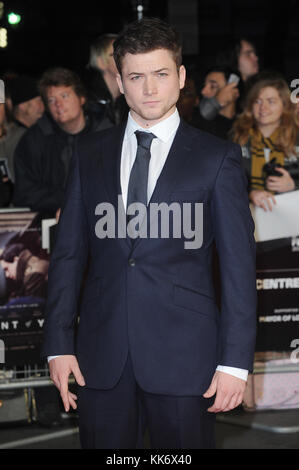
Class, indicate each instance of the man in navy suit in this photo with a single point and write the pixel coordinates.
(152, 350)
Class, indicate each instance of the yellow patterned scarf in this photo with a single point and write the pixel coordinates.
(257, 145)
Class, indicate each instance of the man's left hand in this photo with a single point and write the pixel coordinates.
(229, 392)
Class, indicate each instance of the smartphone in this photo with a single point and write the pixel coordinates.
(233, 78)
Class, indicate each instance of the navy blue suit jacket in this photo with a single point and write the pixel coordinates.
(155, 298)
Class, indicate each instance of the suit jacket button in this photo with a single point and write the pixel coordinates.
(132, 262)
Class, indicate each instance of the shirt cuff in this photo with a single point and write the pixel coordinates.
(235, 371)
(51, 357)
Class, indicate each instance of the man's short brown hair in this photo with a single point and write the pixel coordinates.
(59, 76)
(147, 35)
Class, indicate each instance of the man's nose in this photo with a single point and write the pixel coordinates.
(150, 86)
(206, 91)
(58, 103)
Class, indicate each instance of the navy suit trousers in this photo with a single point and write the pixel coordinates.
(118, 418)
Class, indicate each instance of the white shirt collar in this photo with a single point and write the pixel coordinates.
(164, 130)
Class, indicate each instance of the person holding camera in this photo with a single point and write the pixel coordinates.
(267, 131)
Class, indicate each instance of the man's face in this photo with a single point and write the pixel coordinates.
(151, 84)
(10, 269)
(64, 104)
(214, 82)
(34, 108)
(248, 60)
(268, 108)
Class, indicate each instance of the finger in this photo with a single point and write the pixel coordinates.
(72, 401)
(262, 203)
(272, 198)
(64, 393)
(268, 201)
(73, 396)
(281, 170)
(224, 400)
(78, 375)
(233, 402)
(218, 403)
(211, 390)
(236, 401)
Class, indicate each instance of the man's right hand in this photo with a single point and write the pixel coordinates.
(228, 94)
(60, 369)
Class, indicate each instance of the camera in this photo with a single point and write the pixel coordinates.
(269, 168)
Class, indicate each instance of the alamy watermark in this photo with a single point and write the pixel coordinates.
(295, 353)
(2, 92)
(2, 352)
(295, 92)
(157, 220)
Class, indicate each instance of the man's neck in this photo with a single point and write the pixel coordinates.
(73, 127)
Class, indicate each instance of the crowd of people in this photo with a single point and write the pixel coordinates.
(41, 122)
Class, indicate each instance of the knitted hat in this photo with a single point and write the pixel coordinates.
(22, 89)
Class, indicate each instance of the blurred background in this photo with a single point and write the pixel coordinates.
(51, 33)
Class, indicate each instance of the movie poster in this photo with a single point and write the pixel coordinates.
(23, 283)
(278, 294)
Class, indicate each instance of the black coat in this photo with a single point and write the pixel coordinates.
(100, 100)
(41, 163)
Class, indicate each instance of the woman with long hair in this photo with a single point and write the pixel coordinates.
(267, 131)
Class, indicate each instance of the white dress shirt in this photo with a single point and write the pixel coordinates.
(165, 132)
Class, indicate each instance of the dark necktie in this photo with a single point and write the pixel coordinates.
(137, 189)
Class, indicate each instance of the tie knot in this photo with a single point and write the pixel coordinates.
(144, 139)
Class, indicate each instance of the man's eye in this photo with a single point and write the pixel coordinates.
(162, 74)
(136, 77)
(65, 95)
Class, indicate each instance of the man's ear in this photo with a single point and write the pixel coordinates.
(182, 76)
(120, 83)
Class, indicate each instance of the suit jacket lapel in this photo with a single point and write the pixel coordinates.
(177, 156)
(111, 156)
(111, 159)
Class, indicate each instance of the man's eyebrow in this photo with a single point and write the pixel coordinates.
(161, 70)
(155, 71)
